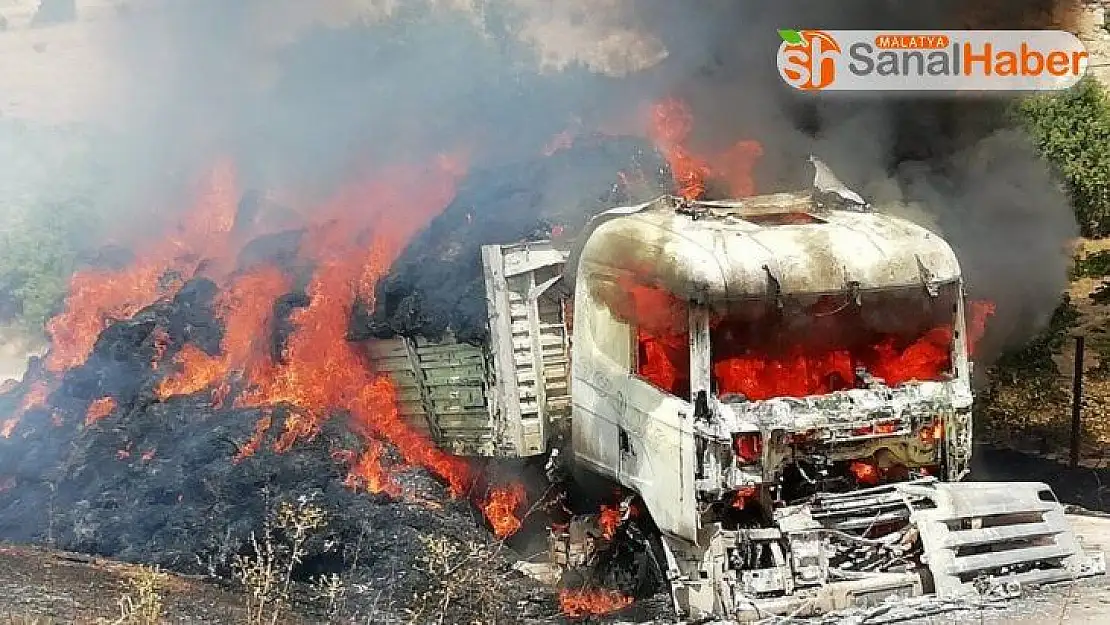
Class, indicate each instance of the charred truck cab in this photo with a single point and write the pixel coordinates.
(733, 355)
(781, 391)
(733, 358)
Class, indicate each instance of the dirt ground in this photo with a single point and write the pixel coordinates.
(41, 587)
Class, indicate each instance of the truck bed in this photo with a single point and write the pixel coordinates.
(453, 391)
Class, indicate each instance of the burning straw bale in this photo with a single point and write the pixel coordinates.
(436, 284)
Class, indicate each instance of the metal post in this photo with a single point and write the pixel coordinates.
(1077, 402)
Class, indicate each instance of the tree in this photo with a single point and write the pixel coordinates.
(1072, 131)
(51, 211)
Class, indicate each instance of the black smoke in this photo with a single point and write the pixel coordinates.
(957, 164)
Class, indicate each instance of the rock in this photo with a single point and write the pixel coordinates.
(54, 12)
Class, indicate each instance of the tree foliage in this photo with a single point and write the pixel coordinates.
(1072, 131)
(48, 217)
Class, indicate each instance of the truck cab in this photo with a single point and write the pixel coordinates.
(732, 357)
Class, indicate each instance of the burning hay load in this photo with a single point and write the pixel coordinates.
(436, 286)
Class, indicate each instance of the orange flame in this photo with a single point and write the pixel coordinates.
(246, 310)
(99, 409)
(369, 474)
(609, 520)
(596, 602)
(670, 125)
(321, 371)
(96, 297)
(502, 507)
(34, 398)
(251, 446)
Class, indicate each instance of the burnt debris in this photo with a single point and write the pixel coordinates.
(436, 286)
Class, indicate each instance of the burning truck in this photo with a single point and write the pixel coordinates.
(778, 387)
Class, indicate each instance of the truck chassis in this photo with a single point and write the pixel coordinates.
(838, 551)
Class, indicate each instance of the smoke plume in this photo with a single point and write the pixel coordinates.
(303, 96)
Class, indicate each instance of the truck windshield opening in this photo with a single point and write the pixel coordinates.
(830, 343)
(660, 323)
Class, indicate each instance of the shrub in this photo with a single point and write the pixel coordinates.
(267, 572)
(143, 604)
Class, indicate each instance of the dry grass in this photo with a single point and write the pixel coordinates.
(23, 619)
(267, 574)
(460, 574)
(143, 604)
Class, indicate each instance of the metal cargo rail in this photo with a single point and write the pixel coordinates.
(456, 393)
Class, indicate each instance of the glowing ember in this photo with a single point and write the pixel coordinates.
(609, 520)
(741, 497)
(99, 409)
(596, 602)
(502, 507)
(866, 473)
(670, 126)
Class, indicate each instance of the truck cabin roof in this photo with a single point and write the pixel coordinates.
(780, 243)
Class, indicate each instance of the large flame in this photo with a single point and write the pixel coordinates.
(670, 126)
(351, 242)
(320, 370)
(97, 297)
(246, 309)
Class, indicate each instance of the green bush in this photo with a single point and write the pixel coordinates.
(1072, 131)
(1093, 265)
